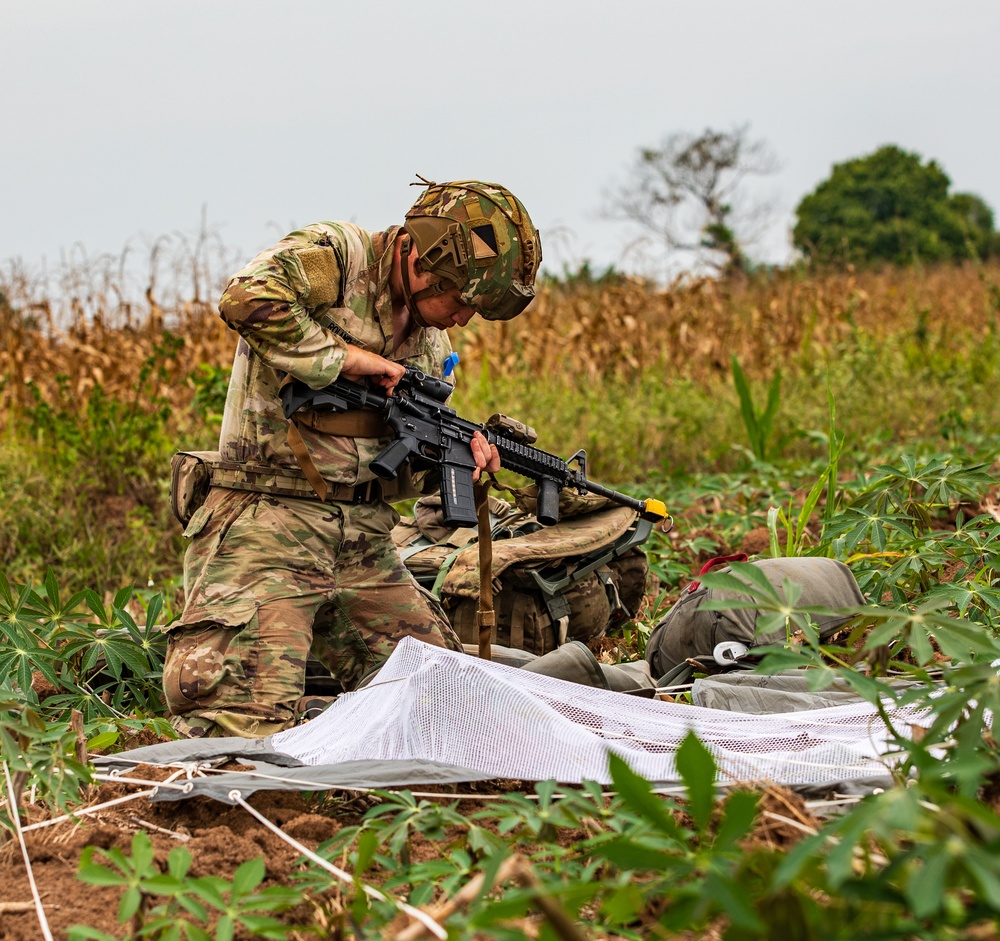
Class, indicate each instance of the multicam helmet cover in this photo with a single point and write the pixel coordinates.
(478, 237)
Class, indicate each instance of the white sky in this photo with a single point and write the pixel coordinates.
(124, 119)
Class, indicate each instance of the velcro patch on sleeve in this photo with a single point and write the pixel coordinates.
(323, 274)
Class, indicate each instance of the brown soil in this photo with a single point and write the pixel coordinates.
(219, 837)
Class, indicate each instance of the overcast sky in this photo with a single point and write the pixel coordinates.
(123, 120)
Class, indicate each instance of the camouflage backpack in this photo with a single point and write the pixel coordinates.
(552, 584)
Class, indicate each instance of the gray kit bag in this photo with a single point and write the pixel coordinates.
(687, 633)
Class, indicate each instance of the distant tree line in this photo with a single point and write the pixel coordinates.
(891, 207)
(688, 196)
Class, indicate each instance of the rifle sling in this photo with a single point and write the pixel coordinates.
(358, 423)
(485, 614)
(301, 453)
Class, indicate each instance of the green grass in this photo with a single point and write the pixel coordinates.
(887, 396)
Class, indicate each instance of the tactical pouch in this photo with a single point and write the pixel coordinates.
(190, 480)
(685, 639)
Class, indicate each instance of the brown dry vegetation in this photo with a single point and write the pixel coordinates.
(104, 350)
(690, 331)
(621, 331)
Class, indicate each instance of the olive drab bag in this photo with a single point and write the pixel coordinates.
(691, 639)
(552, 584)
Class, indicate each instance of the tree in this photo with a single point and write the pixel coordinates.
(687, 195)
(890, 206)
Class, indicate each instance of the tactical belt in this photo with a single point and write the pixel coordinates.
(284, 482)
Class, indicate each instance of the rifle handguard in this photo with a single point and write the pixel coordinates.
(431, 432)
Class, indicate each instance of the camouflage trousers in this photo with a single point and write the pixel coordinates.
(269, 581)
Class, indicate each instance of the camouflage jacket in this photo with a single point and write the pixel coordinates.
(296, 306)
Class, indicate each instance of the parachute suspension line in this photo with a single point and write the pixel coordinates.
(87, 811)
(415, 913)
(15, 818)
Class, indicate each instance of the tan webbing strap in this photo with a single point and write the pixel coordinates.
(301, 453)
(517, 620)
(485, 615)
(285, 482)
(359, 423)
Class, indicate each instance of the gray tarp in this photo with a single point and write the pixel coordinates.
(270, 770)
(763, 694)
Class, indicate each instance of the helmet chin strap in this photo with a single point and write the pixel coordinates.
(408, 296)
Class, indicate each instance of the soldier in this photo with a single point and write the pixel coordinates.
(291, 554)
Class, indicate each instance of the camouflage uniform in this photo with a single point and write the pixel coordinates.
(269, 579)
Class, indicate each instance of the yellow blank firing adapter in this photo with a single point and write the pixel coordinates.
(657, 510)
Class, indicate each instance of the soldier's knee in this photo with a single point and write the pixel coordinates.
(203, 669)
(218, 681)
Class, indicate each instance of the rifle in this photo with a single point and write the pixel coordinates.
(429, 431)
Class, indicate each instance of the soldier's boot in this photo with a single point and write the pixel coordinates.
(308, 707)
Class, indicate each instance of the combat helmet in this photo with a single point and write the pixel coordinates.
(479, 238)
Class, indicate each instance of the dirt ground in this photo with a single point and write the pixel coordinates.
(219, 837)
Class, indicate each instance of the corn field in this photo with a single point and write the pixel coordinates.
(620, 332)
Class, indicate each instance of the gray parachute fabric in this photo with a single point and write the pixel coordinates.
(436, 716)
(270, 770)
(769, 694)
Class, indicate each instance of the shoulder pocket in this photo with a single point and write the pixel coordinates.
(323, 274)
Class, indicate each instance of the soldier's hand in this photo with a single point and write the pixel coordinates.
(485, 455)
(361, 363)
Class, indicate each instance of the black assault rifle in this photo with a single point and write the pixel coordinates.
(428, 431)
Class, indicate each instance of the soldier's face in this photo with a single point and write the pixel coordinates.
(445, 310)
(440, 310)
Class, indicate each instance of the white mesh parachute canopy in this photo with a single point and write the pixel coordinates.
(434, 705)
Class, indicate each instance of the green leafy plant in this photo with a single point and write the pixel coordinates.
(211, 384)
(40, 754)
(95, 656)
(191, 905)
(796, 528)
(96, 662)
(110, 444)
(758, 423)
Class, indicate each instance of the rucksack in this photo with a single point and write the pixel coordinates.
(552, 584)
(690, 639)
